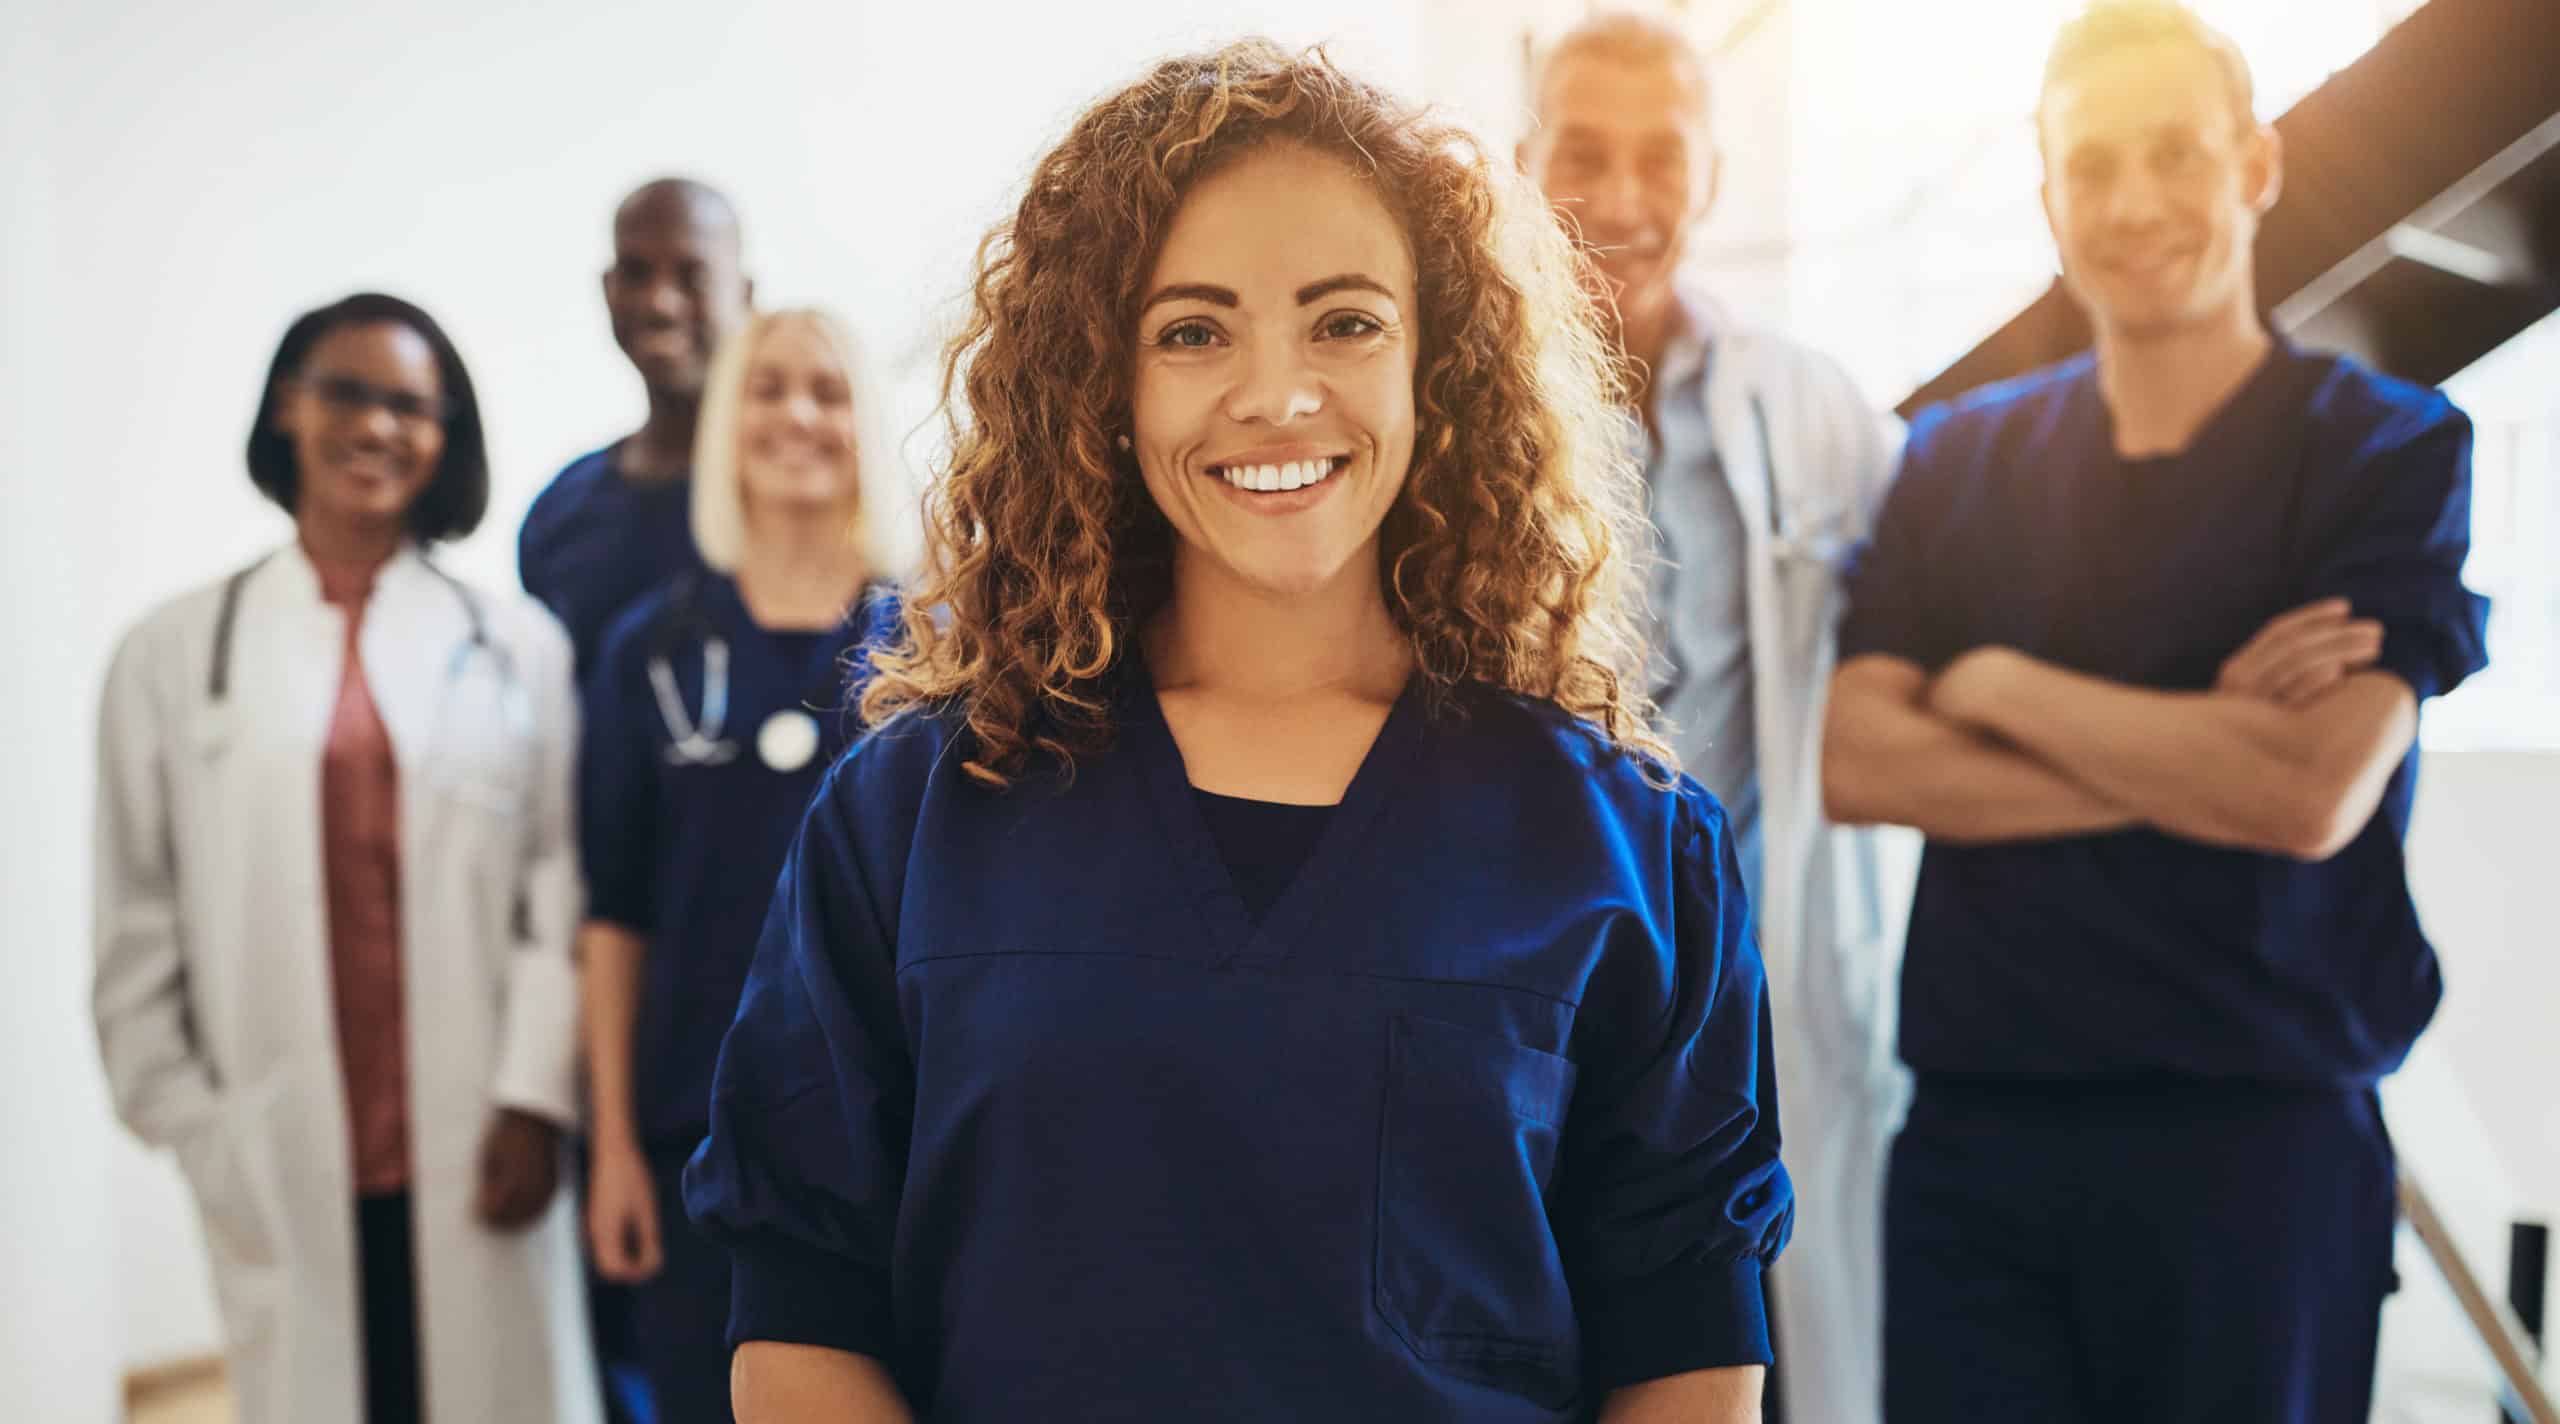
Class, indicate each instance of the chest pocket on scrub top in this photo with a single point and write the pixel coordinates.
(1467, 1268)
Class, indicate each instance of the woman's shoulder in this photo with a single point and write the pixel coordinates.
(170, 632)
(189, 615)
(170, 644)
(902, 761)
(1560, 760)
(174, 613)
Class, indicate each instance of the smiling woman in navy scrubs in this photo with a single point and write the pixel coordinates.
(1259, 967)
(716, 704)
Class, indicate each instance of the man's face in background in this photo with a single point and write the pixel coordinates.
(1621, 148)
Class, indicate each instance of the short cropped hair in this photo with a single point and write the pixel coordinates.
(457, 493)
(1630, 37)
(2107, 26)
(719, 511)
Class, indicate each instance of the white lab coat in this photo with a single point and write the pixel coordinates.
(1788, 420)
(213, 997)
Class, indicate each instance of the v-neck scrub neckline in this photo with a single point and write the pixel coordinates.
(1265, 844)
(1234, 936)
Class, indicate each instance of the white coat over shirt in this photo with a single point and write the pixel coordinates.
(213, 992)
(1807, 461)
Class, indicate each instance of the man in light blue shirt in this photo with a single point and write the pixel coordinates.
(1765, 466)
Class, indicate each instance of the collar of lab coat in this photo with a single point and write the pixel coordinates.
(298, 579)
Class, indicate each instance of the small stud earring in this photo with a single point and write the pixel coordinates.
(1124, 441)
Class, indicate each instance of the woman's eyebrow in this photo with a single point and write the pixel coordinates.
(1194, 292)
(1344, 282)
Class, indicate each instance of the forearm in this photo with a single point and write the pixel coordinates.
(775, 1383)
(610, 959)
(2212, 767)
(1888, 759)
(1722, 1396)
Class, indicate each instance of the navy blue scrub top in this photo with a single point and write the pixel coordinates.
(686, 854)
(2013, 522)
(1477, 1123)
(594, 542)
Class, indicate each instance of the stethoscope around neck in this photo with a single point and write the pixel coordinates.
(785, 742)
(519, 712)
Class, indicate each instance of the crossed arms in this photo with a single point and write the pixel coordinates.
(2288, 753)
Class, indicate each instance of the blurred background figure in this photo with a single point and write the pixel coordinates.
(715, 706)
(2140, 643)
(617, 522)
(1763, 464)
(614, 524)
(335, 895)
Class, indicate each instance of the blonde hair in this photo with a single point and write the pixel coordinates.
(2104, 27)
(1506, 557)
(719, 509)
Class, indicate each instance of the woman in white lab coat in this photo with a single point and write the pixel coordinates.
(335, 900)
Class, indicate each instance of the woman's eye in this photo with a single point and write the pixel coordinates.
(1349, 326)
(1188, 336)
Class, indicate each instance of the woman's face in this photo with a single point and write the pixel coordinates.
(796, 446)
(1272, 398)
(365, 417)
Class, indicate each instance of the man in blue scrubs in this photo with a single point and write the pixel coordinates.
(617, 522)
(614, 524)
(1757, 452)
(2140, 643)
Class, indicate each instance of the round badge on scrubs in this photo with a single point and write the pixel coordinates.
(787, 739)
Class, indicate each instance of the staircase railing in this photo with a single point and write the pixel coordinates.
(2517, 1360)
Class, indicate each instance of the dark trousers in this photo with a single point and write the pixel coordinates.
(2148, 1252)
(388, 1294)
(680, 1317)
(626, 1393)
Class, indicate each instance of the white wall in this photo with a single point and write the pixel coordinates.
(56, 1344)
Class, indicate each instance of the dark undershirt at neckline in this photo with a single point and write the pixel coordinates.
(1264, 843)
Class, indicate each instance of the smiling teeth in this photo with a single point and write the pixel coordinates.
(1295, 475)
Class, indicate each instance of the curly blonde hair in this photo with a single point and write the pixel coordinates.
(1507, 556)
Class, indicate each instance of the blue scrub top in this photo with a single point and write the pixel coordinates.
(1477, 1123)
(2013, 522)
(686, 854)
(594, 542)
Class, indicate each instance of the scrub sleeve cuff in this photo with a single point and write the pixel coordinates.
(1710, 1318)
(793, 1294)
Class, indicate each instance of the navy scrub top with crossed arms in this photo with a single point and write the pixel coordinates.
(685, 853)
(1478, 1122)
(2013, 522)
